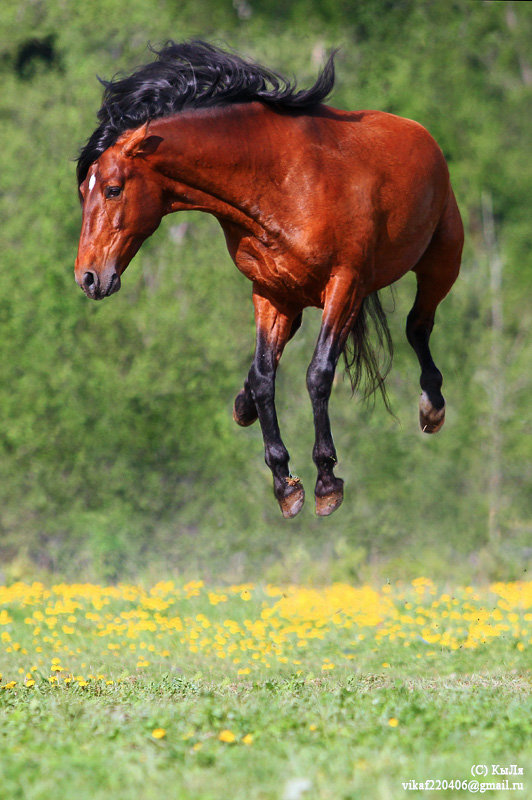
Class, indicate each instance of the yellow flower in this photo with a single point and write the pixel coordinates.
(247, 739)
(158, 733)
(393, 722)
(244, 671)
(227, 736)
(30, 683)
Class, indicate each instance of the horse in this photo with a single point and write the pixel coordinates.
(319, 207)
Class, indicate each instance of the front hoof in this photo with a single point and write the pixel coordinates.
(431, 419)
(327, 503)
(292, 503)
(244, 411)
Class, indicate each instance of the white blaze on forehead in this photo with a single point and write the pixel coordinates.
(92, 181)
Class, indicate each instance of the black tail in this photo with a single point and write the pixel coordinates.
(362, 359)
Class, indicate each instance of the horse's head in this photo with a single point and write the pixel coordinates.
(123, 203)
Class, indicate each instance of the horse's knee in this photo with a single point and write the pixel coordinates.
(319, 380)
(262, 385)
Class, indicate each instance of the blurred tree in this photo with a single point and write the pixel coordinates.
(118, 452)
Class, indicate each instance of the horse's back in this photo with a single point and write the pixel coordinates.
(382, 183)
(396, 152)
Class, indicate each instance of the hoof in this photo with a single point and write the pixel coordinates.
(430, 419)
(244, 413)
(293, 502)
(329, 502)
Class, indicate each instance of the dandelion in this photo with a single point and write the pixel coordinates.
(283, 625)
(393, 722)
(247, 739)
(158, 733)
(227, 736)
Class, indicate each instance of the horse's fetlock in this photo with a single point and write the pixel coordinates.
(275, 455)
(324, 459)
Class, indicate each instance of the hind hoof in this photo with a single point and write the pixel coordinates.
(431, 419)
(330, 502)
(292, 503)
(244, 412)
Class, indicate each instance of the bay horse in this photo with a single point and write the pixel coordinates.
(319, 207)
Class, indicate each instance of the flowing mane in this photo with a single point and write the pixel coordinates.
(193, 74)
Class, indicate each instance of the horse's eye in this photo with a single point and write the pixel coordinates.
(112, 191)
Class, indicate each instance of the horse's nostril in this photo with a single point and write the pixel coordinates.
(89, 279)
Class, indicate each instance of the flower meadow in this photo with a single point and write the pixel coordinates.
(80, 636)
(198, 692)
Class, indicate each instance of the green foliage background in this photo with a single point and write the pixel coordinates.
(118, 454)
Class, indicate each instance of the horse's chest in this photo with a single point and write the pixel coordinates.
(281, 273)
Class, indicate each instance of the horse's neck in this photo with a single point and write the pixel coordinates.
(211, 158)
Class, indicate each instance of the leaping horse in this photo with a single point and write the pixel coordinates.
(319, 207)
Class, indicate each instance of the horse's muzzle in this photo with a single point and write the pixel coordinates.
(95, 288)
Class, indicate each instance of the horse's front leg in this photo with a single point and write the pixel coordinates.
(273, 331)
(339, 313)
(244, 410)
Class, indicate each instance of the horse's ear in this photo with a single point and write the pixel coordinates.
(139, 143)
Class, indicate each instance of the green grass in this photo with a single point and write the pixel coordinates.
(352, 703)
(96, 742)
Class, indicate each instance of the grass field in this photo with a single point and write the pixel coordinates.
(189, 691)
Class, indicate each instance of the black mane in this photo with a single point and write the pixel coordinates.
(191, 75)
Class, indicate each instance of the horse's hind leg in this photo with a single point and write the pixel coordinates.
(436, 272)
(244, 409)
